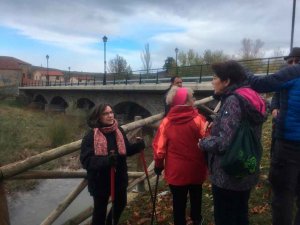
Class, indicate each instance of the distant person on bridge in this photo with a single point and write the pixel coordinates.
(175, 81)
(238, 102)
(285, 162)
(97, 158)
(176, 151)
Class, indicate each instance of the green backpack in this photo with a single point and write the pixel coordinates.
(242, 158)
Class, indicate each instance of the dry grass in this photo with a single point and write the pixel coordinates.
(25, 132)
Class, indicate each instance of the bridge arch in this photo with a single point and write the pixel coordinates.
(126, 111)
(39, 101)
(57, 104)
(84, 103)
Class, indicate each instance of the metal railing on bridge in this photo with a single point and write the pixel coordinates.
(193, 73)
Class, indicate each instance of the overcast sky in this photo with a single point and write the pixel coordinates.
(71, 31)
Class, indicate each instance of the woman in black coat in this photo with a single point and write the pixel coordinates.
(103, 147)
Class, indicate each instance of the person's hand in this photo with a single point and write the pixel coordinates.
(141, 142)
(275, 113)
(113, 159)
(158, 170)
(199, 143)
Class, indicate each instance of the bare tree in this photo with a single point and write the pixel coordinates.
(146, 58)
(182, 58)
(118, 65)
(210, 57)
(251, 49)
(190, 58)
(278, 52)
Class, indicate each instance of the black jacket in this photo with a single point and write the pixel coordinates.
(98, 167)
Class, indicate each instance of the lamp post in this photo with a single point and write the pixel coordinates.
(47, 57)
(176, 52)
(293, 24)
(69, 74)
(104, 77)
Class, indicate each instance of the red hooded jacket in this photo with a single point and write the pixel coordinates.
(176, 146)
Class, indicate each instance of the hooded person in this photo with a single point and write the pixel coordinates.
(176, 152)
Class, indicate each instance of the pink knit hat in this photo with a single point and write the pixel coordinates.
(180, 97)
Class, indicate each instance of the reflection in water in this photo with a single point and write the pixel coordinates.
(31, 208)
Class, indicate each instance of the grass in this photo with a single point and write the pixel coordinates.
(25, 132)
(139, 210)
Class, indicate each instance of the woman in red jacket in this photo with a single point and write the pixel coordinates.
(176, 151)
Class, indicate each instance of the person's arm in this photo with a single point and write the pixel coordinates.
(275, 104)
(274, 82)
(134, 148)
(202, 125)
(88, 158)
(159, 144)
(226, 129)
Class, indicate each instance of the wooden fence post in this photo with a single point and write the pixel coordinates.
(140, 187)
(4, 215)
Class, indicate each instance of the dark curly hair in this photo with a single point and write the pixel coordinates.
(93, 119)
(230, 70)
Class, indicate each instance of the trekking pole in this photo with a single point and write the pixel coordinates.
(142, 156)
(112, 190)
(154, 200)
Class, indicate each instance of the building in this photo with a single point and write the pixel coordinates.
(55, 76)
(81, 79)
(13, 70)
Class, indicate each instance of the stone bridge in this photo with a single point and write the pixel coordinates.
(127, 100)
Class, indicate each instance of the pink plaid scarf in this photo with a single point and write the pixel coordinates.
(100, 142)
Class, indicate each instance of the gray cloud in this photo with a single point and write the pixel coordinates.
(190, 24)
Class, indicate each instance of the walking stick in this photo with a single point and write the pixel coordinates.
(154, 200)
(142, 156)
(112, 190)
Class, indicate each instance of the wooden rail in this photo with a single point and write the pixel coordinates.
(21, 170)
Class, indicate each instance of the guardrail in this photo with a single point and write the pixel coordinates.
(194, 73)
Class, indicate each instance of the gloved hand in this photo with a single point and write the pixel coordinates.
(158, 170)
(140, 141)
(113, 159)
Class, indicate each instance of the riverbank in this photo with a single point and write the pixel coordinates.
(25, 132)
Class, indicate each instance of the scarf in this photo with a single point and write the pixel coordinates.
(100, 142)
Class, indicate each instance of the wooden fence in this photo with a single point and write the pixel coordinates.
(22, 170)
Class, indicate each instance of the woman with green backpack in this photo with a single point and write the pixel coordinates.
(241, 116)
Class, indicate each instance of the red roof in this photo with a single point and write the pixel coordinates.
(11, 63)
(51, 72)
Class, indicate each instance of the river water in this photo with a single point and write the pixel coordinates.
(32, 207)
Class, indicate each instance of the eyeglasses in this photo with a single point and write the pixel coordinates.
(293, 61)
(107, 113)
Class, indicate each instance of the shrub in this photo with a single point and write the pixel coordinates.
(58, 133)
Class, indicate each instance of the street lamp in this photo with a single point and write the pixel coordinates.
(176, 52)
(69, 74)
(293, 24)
(47, 57)
(104, 77)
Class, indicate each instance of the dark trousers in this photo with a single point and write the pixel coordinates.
(100, 208)
(180, 200)
(285, 180)
(230, 207)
